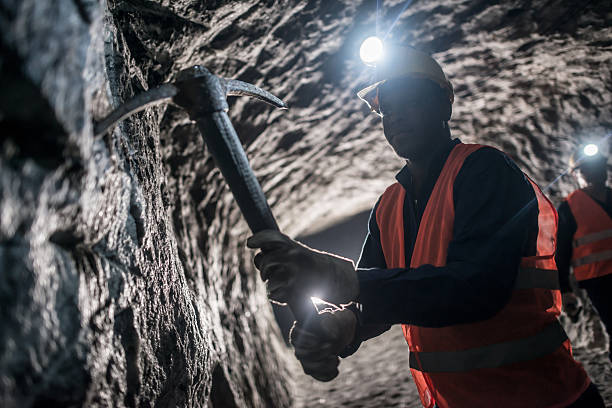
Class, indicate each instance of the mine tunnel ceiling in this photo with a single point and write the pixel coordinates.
(531, 77)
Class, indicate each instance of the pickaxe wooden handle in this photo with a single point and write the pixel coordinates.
(204, 96)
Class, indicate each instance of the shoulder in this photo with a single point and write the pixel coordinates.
(392, 193)
(491, 156)
(491, 162)
(488, 173)
(392, 189)
(574, 194)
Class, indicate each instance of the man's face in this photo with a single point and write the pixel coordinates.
(594, 170)
(410, 115)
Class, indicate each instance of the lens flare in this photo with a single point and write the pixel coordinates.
(371, 50)
(317, 300)
(591, 149)
(322, 305)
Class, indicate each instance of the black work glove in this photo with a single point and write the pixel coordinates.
(318, 350)
(294, 271)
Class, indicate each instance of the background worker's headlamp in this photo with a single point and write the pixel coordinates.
(586, 153)
(590, 150)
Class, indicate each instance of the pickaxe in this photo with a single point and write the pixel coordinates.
(204, 95)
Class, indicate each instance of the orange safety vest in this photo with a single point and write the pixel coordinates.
(521, 357)
(592, 253)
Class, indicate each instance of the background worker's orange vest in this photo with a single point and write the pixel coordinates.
(519, 358)
(592, 253)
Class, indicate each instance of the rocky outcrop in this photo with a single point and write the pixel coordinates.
(124, 279)
(124, 276)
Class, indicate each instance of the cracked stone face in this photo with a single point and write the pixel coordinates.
(124, 278)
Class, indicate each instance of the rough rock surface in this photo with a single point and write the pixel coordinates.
(123, 275)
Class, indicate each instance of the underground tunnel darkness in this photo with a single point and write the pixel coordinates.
(124, 276)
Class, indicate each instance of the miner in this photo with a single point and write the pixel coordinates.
(459, 251)
(585, 235)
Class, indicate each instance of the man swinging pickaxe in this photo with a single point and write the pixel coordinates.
(203, 96)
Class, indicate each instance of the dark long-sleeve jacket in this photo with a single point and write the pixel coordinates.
(565, 237)
(495, 225)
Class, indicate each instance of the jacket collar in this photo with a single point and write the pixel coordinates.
(404, 177)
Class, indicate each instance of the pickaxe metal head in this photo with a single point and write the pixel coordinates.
(204, 93)
(200, 91)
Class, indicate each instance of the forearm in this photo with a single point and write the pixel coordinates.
(371, 256)
(433, 296)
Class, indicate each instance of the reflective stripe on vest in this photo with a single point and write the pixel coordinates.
(495, 355)
(592, 244)
(596, 236)
(589, 259)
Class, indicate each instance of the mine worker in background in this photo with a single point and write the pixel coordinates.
(585, 236)
(459, 251)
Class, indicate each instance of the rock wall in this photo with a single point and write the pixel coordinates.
(123, 276)
(124, 280)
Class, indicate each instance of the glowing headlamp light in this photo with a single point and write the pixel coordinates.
(590, 150)
(371, 50)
